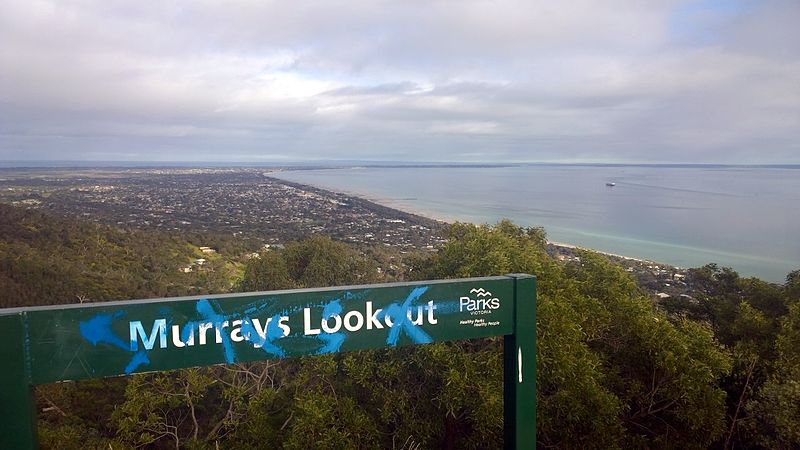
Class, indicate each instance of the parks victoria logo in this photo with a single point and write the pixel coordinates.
(480, 303)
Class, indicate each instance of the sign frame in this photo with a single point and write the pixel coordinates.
(42, 345)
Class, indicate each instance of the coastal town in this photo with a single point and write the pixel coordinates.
(243, 202)
(250, 203)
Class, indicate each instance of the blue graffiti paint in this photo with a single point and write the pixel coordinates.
(333, 342)
(401, 322)
(206, 310)
(250, 309)
(447, 307)
(187, 333)
(250, 333)
(137, 360)
(271, 334)
(333, 308)
(259, 306)
(98, 329)
(273, 349)
(274, 330)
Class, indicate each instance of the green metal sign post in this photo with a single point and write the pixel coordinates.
(51, 344)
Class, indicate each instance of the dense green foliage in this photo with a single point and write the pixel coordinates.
(759, 323)
(315, 262)
(46, 260)
(614, 372)
(615, 368)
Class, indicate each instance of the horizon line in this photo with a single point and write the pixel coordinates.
(340, 163)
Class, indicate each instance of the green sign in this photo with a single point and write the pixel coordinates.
(50, 344)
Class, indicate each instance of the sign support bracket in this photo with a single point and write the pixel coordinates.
(17, 405)
(519, 368)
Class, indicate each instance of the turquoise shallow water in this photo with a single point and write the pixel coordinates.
(741, 217)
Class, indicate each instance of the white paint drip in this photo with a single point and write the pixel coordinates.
(519, 362)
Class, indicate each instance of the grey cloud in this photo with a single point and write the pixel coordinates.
(378, 89)
(439, 80)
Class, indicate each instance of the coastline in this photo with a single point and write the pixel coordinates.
(614, 255)
(560, 248)
(670, 219)
(394, 206)
(355, 198)
(382, 202)
(254, 204)
(285, 218)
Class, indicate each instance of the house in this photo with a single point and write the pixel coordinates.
(208, 250)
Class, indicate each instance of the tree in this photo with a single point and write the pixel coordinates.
(613, 371)
(776, 408)
(266, 273)
(319, 261)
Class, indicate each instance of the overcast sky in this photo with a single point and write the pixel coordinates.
(590, 81)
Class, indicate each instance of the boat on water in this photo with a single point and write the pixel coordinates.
(611, 184)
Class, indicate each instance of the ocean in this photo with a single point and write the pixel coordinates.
(746, 218)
